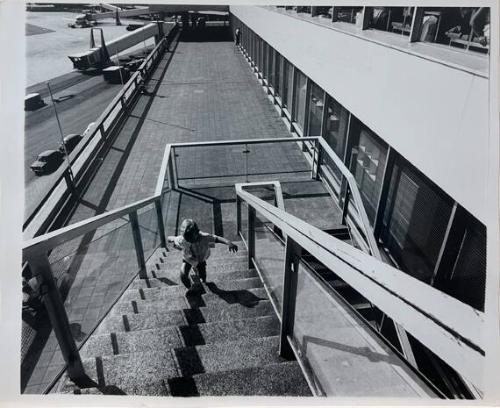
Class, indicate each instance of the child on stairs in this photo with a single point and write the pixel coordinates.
(195, 245)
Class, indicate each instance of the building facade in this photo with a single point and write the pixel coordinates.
(401, 94)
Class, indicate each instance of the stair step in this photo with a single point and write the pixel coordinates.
(131, 372)
(244, 353)
(284, 379)
(178, 301)
(158, 292)
(214, 272)
(201, 315)
(133, 342)
(149, 340)
(234, 260)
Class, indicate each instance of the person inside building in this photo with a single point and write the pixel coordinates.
(195, 245)
(237, 35)
(459, 22)
(480, 24)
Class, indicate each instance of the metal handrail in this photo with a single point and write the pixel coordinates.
(47, 242)
(448, 327)
(134, 81)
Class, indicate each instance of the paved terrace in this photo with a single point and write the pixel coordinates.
(201, 91)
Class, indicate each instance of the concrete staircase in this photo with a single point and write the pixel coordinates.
(221, 341)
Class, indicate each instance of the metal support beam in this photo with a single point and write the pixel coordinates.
(139, 250)
(367, 16)
(161, 226)
(292, 257)
(319, 160)
(53, 303)
(251, 236)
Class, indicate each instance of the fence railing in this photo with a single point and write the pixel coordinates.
(71, 265)
(87, 150)
(448, 327)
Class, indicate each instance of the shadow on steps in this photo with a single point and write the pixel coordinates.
(240, 296)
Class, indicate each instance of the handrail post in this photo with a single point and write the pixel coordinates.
(319, 159)
(345, 204)
(139, 250)
(251, 235)
(238, 215)
(161, 227)
(40, 268)
(292, 257)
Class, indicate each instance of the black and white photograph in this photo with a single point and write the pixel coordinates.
(240, 200)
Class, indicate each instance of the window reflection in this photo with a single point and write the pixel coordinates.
(351, 15)
(460, 27)
(337, 120)
(316, 96)
(368, 170)
(394, 19)
(300, 99)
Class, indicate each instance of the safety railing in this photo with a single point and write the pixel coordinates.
(81, 270)
(449, 328)
(88, 150)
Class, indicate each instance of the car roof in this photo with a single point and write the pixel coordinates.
(47, 153)
(71, 136)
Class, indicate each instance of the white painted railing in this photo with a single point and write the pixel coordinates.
(448, 327)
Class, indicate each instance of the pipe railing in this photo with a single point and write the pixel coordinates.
(448, 327)
(86, 152)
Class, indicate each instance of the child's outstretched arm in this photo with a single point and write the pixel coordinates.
(232, 247)
(172, 240)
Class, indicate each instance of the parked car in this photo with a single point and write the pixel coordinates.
(70, 142)
(47, 161)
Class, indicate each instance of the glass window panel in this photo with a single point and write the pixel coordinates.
(415, 221)
(463, 274)
(316, 98)
(337, 122)
(351, 15)
(288, 84)
(264, 59)
(277, 73)
(270, 65)
(300, 99)
(394, 19)
(369, 170)
(467, 28)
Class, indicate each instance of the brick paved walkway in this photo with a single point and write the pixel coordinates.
(204, 91)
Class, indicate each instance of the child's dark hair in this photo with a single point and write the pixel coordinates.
(189, 230)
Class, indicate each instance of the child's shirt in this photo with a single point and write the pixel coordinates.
(196, 252)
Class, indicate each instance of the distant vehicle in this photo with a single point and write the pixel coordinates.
(132, 27)
(47, 162)
(89, 128)
(70, 142)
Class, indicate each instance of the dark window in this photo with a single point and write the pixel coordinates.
(462, 272)
(277, 73)
(288, 83)
(461, 27)
(300, 99)
(337, 121)
(415, 221)
(316, 96)
(394, 19)
(323, 11)
(264, 59)
(348, 14)
(270, 65)
(368, 169)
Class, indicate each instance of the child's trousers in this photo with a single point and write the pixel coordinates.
(200, 269)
